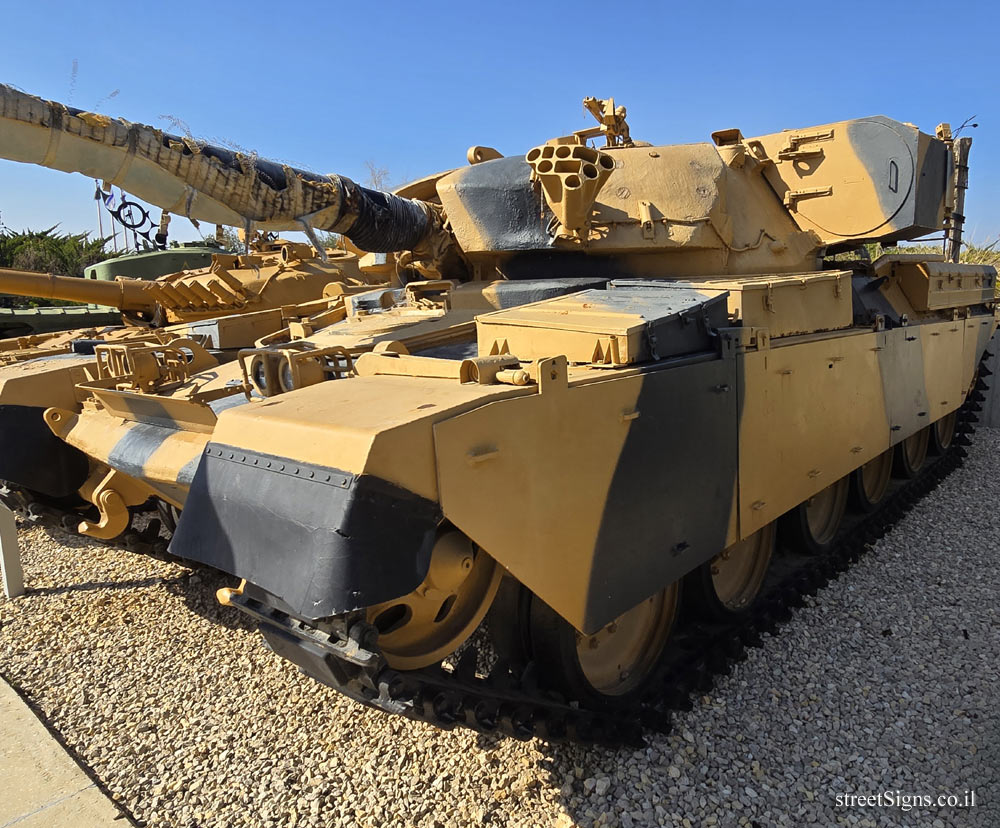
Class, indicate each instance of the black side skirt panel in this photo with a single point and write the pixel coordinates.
(32, 457)
(322, 540)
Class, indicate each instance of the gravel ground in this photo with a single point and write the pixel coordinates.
(884, 683)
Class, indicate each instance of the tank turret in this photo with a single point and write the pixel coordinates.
(775, 203)
(148, 264)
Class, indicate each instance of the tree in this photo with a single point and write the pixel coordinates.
(378, 177)
(229, 238)
(46, 251)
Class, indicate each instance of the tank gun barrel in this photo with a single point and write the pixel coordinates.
(205, 182)
(122, 294)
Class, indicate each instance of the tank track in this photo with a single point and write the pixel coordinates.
(509, 702)
(37, 511)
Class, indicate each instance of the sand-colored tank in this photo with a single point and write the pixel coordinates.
(600, 470)
(275, 274)
(146, 264)
(223, 307)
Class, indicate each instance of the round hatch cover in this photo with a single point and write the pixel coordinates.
(871, 175)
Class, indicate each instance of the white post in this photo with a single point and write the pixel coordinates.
(10, 556)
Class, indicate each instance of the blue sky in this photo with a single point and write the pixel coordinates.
(410, 86)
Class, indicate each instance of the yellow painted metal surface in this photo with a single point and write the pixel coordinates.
(43, 383)
(849, 179)
(572, 325)
(943, 346)
(810, 413)
(940, 285)
(377, 425)
(527, 457)
(98, 435)
(787, 305)
(814, 411)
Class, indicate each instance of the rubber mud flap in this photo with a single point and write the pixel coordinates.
(322, 540)
(32, 457)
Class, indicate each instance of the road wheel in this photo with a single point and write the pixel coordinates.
(729, 584)
(812, 526)
(421, 628)
(870, 482)
(614, 665)
(912, 453)
(943, 433)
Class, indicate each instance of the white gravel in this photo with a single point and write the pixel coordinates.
(885, 682)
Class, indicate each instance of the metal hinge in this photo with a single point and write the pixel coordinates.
(792, 197)
(651, 340)
(792, 151)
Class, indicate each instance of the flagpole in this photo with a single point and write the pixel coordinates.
(114, 230)
(98, 199)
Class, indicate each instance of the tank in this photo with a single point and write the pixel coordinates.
(151, 264)
(21, 322)
(215, 310)
(273, 275)
(665, 393)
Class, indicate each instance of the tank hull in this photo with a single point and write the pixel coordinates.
(721, 446)
(596, 488)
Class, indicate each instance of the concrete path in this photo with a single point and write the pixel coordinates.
(41, 786)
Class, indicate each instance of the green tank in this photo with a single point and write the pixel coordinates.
(18, 322)
(151, 264)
